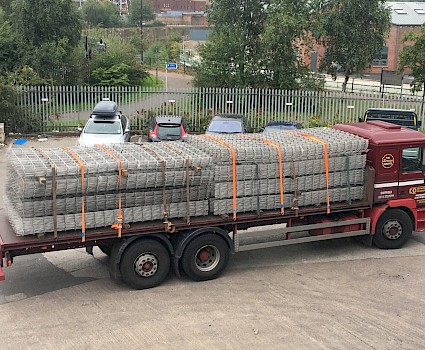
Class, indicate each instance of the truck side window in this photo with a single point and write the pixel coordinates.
(411, 159)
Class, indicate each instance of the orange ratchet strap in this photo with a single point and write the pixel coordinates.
(168, 224)
(83, 214)
(119, 225)
(232, 150)
(187, 180)
(326, 156)
(54, 190)
(279, 153)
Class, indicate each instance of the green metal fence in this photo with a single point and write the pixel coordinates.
(66, 108)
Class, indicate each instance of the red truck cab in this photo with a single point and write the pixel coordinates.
(397, 155)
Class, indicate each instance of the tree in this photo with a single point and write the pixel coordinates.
(157, 55)
(232, 55)
(45, 33)
(167, 50)
(22, 76)
(8, 95)
(256, 44)
(140, 10)
(117, 65)
(37, 22)
(49, 56)
(413, 57)
(101, 13)
(352, 31)
(285, 35)
(6, 5)
(9, 55)
(16, 119)
(119, 75)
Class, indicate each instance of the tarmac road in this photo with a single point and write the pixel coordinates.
(176, 81)
(324, 295)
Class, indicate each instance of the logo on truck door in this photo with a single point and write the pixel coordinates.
(388, 161)
(416, 190)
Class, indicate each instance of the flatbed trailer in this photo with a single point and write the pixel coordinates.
(176, 237)
(393, 207)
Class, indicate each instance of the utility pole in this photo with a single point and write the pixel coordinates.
(141, 31)
(156, 69)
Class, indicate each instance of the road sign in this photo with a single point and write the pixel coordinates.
(171, 65)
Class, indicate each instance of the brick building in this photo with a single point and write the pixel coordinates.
(161, 6)
(183, 18)
(405, 17)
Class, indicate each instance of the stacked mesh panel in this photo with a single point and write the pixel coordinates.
(177, 180)
(308, 180)
(153, 186)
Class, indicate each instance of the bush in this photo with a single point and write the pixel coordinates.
(16, 119)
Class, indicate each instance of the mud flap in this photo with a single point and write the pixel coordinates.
(89, 250)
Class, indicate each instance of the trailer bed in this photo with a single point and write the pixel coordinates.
(12, 245)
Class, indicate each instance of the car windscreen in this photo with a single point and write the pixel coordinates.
(169, 131)
(226, 126)
(103, 127)
(278, 128)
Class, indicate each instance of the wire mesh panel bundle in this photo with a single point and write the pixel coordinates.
(37, 207)
(308, 167)
(57, 187)
(104, 218)
(62, 189)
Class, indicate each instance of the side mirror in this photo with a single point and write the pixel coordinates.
(419, 123)
(361, 120)
(127, 130)
(80, 128)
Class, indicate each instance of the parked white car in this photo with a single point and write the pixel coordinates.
(106, 125)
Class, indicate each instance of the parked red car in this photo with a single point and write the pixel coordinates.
(167, 128)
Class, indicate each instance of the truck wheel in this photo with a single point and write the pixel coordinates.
(205, 257)
(145, 264)
(393, 230)
(105, 249)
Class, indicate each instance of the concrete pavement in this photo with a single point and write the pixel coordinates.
(354, 304)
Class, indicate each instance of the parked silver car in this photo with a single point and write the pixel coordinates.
(106, 125)
(228, 124)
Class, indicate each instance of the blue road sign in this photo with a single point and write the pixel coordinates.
(171, 65)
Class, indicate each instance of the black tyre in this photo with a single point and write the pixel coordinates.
(205, 257)
(106, 249)
(145, 264)
(393, 230)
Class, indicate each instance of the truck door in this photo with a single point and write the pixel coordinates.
(386, 161)
(411, 178)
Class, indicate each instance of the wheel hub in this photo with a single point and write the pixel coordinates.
(204, 255)
(207, 258)
(146, 265)
(392, 229)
